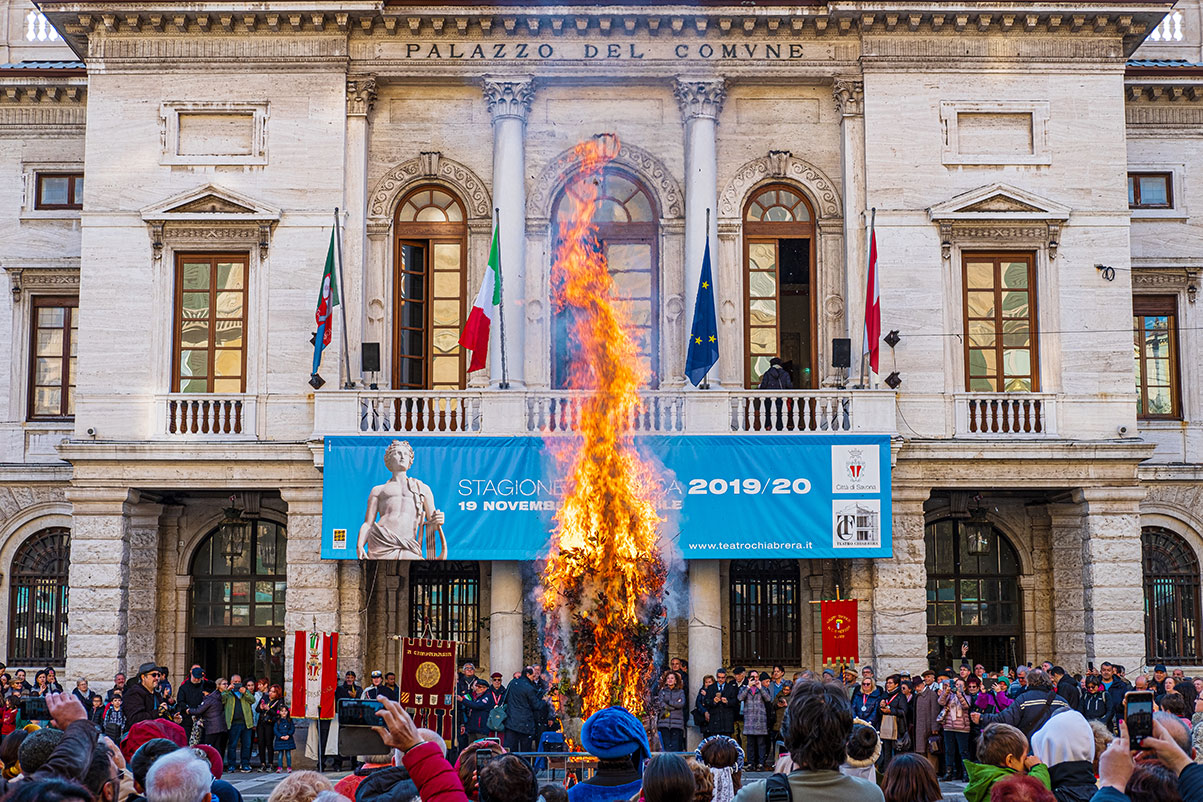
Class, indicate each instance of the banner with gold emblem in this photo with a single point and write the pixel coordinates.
(840, 640)
(426, 683)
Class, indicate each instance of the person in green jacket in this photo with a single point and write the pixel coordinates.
(1003, 752)
(240, 720)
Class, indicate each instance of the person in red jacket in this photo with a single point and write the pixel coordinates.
(436, 779)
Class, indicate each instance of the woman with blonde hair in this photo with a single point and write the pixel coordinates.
(304, 786)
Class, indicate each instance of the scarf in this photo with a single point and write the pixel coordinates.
(724, 786)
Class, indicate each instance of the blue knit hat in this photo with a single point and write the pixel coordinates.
(612, 733)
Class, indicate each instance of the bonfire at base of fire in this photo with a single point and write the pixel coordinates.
(603, 584)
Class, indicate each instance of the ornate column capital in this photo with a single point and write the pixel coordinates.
(361, 95)
(849, 97)
(700, 98)
(509, 97)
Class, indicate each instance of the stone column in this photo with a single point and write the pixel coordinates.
(376, 268)
(143, 529)
(1068, 616)
(812, 619)
(509, 101)
(505, 618)
(700, 102)
(312, 601)
(99, 580)
(178, 663)
(900, 590)
(850, 101)
(1113, 594)
(361, 95)
(171, 609)
(705, 630)
(351, 630)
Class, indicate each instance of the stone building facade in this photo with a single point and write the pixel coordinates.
(151, 153)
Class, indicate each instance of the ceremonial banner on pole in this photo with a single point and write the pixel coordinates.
(840, 640)
(426, 683)
(314, 674)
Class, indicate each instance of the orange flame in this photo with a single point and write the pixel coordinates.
(603, 584)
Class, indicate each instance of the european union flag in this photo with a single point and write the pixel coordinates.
(703, 336)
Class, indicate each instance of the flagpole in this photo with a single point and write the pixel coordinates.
(342, 301)
(864, 341)
(705, 383)
(505, 375)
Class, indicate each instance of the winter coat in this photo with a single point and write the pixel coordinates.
(900, 708)
(867, 707)
(229, 699)
(722, 714)
(1115, 703)
(114, 723)
(85, 699)
(754, 698)
(286, 738)
(1094, 705)
(956, 710)
(926, 706)
(1073, 781)
(775, 378)
(1068, 690)
(670, 708)
(983, 776)
(212, 712)
(69, 760)
(8, 720)
(1028, 709)
(138, 704)
(436, 779)
(523, 700)
(983, 702)
(477, 711)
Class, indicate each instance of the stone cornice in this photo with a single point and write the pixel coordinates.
(81, 21)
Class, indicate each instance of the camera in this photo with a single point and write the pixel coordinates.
(33, 708)
(356, 717)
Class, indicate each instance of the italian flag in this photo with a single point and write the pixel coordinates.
(485, 309)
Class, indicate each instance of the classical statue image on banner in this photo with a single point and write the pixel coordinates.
(409, 526)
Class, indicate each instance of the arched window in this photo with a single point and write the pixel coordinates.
(765, 612)
(972, 595)
(237, 601)
(37, 629)
(625, 217)
(1171, 580)
(779, 277)
(429, 291)
(444, 604)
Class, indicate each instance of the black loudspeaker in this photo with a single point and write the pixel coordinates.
(370, 357)
(841, 352)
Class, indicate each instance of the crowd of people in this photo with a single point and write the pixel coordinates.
(1034, 733)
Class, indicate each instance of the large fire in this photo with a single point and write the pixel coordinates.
(603, 585)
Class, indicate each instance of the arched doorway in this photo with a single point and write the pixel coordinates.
(1171, 585)
(972, 595)
(37, 626)
(236, 611)
(779, 277)
(765, 612)
(429, 291)
(625, 217)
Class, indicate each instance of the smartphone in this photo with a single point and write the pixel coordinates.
(483, 756)
(1138, 715)
(359, 713)
(33, 708)
(1090, 666)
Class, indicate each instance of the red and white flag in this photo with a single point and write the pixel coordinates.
(314, 674)
(872, 340)
(485, 309)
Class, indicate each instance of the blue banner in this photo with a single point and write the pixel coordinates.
(493, 498)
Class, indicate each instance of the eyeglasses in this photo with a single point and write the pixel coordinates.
(155, 675)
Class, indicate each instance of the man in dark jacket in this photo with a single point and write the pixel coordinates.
(524, 701)
(1067, 689)
(721, 701)
(1031, 709)
(1115, 687)
(140, 702)
(476, 706)
(190, 694)
(1093, 704)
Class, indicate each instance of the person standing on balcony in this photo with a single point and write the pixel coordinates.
(776, 377)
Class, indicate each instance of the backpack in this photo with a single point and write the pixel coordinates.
(776, 789)
(497, 716)
(772, 379)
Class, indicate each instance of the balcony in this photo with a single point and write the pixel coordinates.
(1005, 415)
(206, 415)
(552, 412)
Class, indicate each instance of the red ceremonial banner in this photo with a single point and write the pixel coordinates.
(314, 674)
(426, 685)
(840, 640)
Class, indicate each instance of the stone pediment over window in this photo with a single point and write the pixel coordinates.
(211, 214)
(999, 214)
